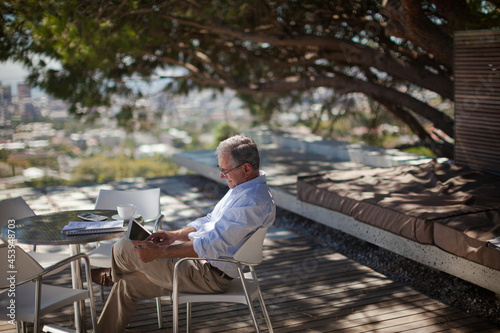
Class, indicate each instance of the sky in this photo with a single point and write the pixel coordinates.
(11, 74)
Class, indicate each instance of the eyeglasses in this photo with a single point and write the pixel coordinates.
(224, 173)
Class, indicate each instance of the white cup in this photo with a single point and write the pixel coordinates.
(126, 211)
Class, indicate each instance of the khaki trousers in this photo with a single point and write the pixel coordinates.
(135, 280)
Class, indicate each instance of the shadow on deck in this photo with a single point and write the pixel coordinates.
(311, 289)
(307, 287)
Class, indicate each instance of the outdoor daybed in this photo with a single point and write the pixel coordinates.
(454, 208)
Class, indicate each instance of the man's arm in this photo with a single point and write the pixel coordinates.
(182, 234)
(157, 245)
(163, 237)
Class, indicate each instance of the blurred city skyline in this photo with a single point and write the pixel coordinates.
(12, 74)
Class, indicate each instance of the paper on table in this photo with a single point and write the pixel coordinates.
(92, 225)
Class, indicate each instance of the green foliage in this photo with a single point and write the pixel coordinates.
(43, 161)
(263, 106)
(87, 52)
(102, 169)
(17, 161)
(125, 118)
(224, 131)
(66, 149)
(5, 170)
(4, 155)
(44, 182)
(420, 151)
(380, 139)
(198, 144)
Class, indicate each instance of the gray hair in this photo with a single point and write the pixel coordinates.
(242, 149)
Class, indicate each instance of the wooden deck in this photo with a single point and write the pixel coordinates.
(311, 289)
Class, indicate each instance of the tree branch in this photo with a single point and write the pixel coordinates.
(342, 51)
(345, 85)
(408, 21)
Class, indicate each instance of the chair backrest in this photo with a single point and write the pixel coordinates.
(14, 209)
(147, 201)
(251, 250)
(24, 266)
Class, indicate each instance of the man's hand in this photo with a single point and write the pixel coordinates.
(148, 250)
(157, 245)
(162, 238)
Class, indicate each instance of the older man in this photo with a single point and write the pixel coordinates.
(144, 269)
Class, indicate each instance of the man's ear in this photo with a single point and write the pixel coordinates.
(247, 168)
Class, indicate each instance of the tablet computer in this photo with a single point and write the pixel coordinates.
(136, 231)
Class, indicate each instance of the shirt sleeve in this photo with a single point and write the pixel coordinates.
(230, 229)
(200, 221)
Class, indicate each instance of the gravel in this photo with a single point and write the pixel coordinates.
(450, 290)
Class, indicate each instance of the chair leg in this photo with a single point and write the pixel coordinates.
(158, 312)
(248, 299)
(21, 327)
(175, 324)
(254, 316)
(175, 315)
(264, 311)
(188, 317)
(102, 293)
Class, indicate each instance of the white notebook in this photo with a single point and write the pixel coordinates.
(92, 227)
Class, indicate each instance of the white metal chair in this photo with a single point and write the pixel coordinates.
(33, 299)
(148, 206)
(16, 209)
(147, 202)
(243, 289)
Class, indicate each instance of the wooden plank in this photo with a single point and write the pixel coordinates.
(308, 288)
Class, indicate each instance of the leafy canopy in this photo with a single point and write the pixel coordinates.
(392, 51)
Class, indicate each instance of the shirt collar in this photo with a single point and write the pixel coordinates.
(261, 179)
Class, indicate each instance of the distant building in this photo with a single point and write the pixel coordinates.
(23, 91)
(5, 95)
(6, 131)
(58, 109)
(30, 111)
(5, 101)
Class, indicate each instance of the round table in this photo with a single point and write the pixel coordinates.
(46, 230)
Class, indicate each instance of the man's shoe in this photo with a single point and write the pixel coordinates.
(101, 276)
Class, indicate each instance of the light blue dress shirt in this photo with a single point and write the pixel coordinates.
(244, 209)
